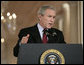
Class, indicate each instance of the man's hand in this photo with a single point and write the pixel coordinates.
(25, 39)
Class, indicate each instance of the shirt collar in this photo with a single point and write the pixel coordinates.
(40, 27)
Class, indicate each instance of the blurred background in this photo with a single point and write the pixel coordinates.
(16, 15)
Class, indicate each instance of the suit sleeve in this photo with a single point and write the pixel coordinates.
(22, 33)
(62, 38)
(16, 48)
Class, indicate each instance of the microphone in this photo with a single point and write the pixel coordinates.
(54, 34)
(47, 32)
(50, 32)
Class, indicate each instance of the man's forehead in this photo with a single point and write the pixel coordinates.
(50, 11)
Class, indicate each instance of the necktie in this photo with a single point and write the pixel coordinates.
(44, 36)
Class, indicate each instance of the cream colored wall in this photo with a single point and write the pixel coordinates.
(27, 16)
(74, 23)
(82, 22)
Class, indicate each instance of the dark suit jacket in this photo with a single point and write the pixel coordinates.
(35, 37)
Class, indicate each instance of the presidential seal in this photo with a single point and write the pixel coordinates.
(52, 56)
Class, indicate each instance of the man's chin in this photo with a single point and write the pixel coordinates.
(49, 27)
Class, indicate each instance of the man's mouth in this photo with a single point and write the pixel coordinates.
(50, 23)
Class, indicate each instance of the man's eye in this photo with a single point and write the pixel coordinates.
(54, 17)
(49, 16)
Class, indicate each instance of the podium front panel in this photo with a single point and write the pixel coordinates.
(31, 53)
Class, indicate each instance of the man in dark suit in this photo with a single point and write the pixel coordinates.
(42, 32)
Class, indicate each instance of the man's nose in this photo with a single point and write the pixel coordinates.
(52, 19)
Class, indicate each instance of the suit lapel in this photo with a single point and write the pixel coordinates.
(37, 34)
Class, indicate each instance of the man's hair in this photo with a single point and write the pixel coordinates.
(41, 10)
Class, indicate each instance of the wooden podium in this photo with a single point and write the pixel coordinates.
(31, 53)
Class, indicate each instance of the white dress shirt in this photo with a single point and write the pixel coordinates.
(40, 28)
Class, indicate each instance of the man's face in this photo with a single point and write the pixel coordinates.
(47, 20)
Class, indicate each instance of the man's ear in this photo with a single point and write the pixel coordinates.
(39, 16)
